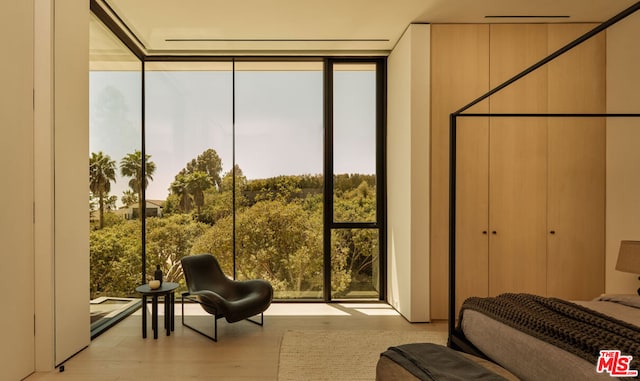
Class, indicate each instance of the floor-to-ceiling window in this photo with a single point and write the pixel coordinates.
(355, 222)
(115, 111)
(279, 126)
(189, 138)
(273, 165)
(237, 152)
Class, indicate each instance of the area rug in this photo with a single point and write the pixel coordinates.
(341, 355)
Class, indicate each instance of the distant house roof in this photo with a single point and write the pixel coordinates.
(153, 209)
(157, 203)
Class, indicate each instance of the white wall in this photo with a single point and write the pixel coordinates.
(408, 174)
(61, 151)
(32, 245)
(43, 181)
(623, 148)
(71, 179)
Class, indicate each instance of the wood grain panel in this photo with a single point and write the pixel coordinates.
(518, 171)
(576, 212)
(472, 212)
(542, 174)
(459, 74)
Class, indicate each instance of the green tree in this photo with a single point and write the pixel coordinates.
(168, 240)
(129, 197)
(208, 162)
(240, 178)
(115, 259)
(179, 188)
(189, 189)
(110, 203)
(190, 184)
(102, 171)
(131, 166)
(197, 182)
(218, 203)
(358, 248)
(275, 240)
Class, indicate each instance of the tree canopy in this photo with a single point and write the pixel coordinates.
(278, 230)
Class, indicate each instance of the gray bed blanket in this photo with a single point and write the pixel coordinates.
(571, 327)
(432, 362)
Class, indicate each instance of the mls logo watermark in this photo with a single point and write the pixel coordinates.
(616, 364)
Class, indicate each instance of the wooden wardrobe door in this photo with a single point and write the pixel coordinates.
(518, 163)
(472, 211)
(459, 74)
(576, 166)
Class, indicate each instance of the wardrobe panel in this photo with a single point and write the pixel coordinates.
(472, 222)
(459, 74)
(576, 212)
(518, 162)
(535, 185)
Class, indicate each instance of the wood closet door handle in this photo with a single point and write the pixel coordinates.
(552, 232)
(494, 232)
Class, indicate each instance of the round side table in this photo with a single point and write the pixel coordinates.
(167, 291)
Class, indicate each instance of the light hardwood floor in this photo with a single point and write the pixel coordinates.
(244, 351)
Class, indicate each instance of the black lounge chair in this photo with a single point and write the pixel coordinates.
(221, 296)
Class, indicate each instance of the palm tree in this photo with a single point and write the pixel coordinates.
(129, 197)
(102, 171)
(131, 166)
(197, 182)
(179, 188)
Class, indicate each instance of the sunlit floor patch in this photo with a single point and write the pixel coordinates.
(371, 309)
(295, 309)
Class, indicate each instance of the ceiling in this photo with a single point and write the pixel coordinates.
(305, 27)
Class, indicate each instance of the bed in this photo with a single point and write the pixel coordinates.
(538, 338)
(558, 339)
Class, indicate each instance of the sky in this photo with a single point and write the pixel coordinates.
(278, 121)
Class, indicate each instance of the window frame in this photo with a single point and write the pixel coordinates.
(328, 216)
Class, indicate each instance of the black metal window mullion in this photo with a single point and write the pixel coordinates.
(233, 164)
(143, 174)
(328, 177)
(381, 160)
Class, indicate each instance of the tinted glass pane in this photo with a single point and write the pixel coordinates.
(115, 132)
(355, 264)
(354, 142)
(189, 138)
(279, 153)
